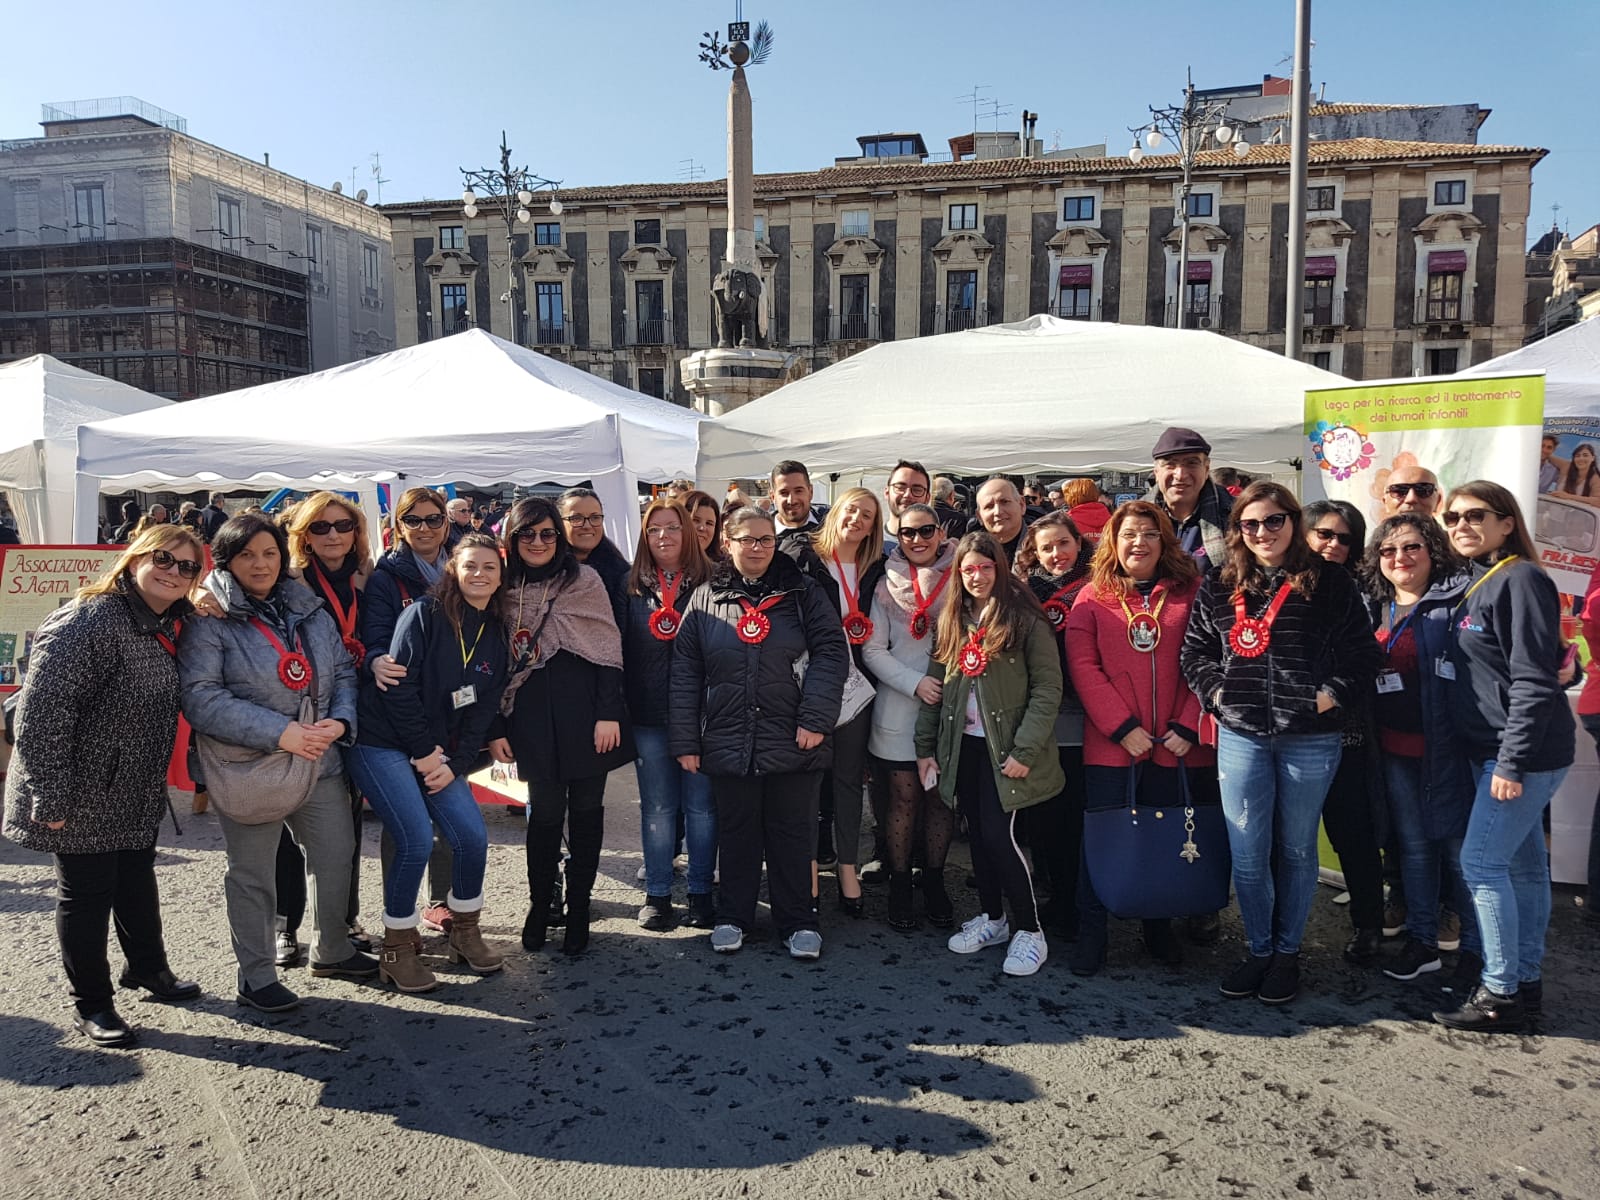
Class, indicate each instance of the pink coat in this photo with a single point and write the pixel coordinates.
(1122, 688)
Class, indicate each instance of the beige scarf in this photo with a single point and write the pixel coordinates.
(897, 576)
(571, 615)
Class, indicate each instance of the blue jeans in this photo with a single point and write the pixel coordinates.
(665, 790)
(1272, 793)
(1422, 859)
(409, 814)
(1507, 870)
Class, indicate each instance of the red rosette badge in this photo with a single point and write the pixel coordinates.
(857, 628)
(665, 623)
(294, 669)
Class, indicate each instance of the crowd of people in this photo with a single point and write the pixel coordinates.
(1115, 704)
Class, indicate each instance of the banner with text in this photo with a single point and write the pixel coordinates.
(34, 582)
(1566, 526)
(1459, 428)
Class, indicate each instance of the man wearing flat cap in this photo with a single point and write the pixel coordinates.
(1198, 507)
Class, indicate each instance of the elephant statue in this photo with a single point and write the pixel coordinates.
(737, 295)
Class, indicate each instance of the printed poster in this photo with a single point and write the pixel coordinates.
(34, 582)
(1460, 428)
(1566, 525)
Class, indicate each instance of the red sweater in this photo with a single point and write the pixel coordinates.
(1122, 688)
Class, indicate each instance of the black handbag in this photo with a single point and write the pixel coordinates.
(1161, 859)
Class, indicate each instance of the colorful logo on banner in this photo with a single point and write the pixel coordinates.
(1341, 450)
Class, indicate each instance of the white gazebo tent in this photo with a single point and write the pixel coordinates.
(42, 403)
(1570, 361)
(469, 408)
(1040, 394)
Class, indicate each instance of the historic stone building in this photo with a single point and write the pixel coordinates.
(131, 249)
(1406, 242)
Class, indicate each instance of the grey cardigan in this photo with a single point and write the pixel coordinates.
(231, 689)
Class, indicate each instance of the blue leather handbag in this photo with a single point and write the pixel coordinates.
(1158, 855)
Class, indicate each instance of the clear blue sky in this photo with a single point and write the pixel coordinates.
(613, 93)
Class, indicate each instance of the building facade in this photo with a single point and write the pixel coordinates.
(133, 249)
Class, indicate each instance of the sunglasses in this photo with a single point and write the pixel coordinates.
(1329, 535)
(1424, 491)
(165, 560)
(528, 536)
(1472, 516)
(1410, 549)
(912, 533)
(323, 528)
(412, 521)
(1271, 524)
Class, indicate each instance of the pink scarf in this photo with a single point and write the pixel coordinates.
(576, 617)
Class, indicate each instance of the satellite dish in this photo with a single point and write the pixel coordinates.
(361, 196)
(338, 188)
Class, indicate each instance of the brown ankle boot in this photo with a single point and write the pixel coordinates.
(467, 944)
(398, 962)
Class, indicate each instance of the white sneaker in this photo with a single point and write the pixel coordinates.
(979, 933)
(1027, 953)
(804, 943)
(725, 939)
(640, 875)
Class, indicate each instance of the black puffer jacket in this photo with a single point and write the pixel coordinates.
(612, 567)
(1322, 642)
(647, 659)
(737, 704)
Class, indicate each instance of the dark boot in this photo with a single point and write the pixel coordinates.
(1162, 943)
(941, 912)
(544, 849)
(585, 832)
(902, 905)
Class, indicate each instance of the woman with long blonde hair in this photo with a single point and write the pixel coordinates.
(95, 727)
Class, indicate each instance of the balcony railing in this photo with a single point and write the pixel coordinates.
(1077, 310)
(551, 333)
(650, 331)
(1436, 311)
(1197, 314)
(954, 320)
(1325, 316)
(854, 327)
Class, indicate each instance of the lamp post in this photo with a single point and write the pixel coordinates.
(1186, 126)
(502, 185)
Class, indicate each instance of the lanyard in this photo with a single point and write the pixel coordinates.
(461, 640)
(665, 622)
(857, 628)
(1161, 602)
(294, 668)
(1250, 636)
(1396, 630)
(919, 615)
(668, 590)
(346, 620)
(1482, 579)
(170, 644)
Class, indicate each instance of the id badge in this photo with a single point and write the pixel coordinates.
(1444, 668)
(464, 696)
(1390, 681)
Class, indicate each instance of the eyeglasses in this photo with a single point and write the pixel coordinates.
(911, 533)
(1410, 550)
(580, 522)
(765, 541)
(165, 560)
(915, 490)
(528, 536)
(1139, 535)
(1333, 535)
(1271, 524)
(974, 570)
(323, 528)
(1424, 491)
(412, 521)
(663, 531)
(1472, 516)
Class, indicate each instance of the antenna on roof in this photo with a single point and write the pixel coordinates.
(377, 174)
(690, 170)
(996, 110)
(974, 97)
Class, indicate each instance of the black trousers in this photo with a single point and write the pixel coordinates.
(579, 805)
(997, 860)
(93, 890)
(771, 818)
(1055, 837)
(1347, 816)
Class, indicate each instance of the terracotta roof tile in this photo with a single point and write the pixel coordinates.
(859, 178)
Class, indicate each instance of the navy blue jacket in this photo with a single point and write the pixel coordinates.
(396, 583)
(647, 659)
(418, 713)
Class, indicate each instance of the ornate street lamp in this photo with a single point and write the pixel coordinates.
(502, 185)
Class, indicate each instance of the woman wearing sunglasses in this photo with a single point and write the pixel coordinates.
(403, 575)
(1415, 583)
(1054, 559)
(668, 566)
(989, 743)
(244, 677)
(749, 715)
(916, 575)
(1278, 644)
(1336, 532)
(564, 715)
(87, 782)
(1513, 720)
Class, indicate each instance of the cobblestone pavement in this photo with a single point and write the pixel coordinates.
(889, 1068)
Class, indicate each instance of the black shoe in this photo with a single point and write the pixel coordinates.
(357, 966)
(535, 929)
(1059, 919)
(1087, 955)
(1486, 1012)
(1415, 958)
(163, 985)
(104, 1028)
(1204, 929)
(852, 906)
(363, 942)
(286, 950)
(272, 998)
(1282, 981)
(656, 915)
(576, 939)
(1466, 977)
(937, 905)
(1244, 980)
(1162, 943)
(702, 912)
(1364, 948)
(902, 903)
(558, 909)
(1532, 997)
